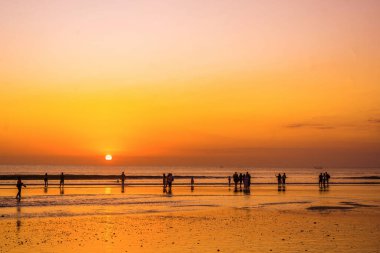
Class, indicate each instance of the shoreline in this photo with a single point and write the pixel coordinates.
(187, 184)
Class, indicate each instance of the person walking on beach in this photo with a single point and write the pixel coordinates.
(229, 181)
(170, 180)
(236, 180)
(62, 180)
(46, 180)
(19, 185)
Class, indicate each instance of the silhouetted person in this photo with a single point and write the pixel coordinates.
(320, 180)
(62, 180)
(19, 185)
(236, 180)
(170, 180)
(192, 183)
(46, 180)
(327, 178)
(229, 181)
(284, 179)
(164, 182)
(122, 177)
(240, 179)
(279, 179)
(245, 183)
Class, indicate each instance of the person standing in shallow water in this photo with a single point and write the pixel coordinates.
(327, 176)
(122, 179)
(236, 179)
(229, 181)
(46, 180)
(240, 180)
(324, 180)
(62, 180)
(170, 180)
(19, 185)
(320, 180)
(284, 179)
(164, 182)
(279, 179)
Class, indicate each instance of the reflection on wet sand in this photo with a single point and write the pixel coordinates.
(18, 222)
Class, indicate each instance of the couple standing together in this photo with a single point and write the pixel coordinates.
(167, 181)
(281, 180)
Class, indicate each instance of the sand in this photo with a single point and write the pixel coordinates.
(291, 222)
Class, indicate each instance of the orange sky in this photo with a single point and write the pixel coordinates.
(262, 83)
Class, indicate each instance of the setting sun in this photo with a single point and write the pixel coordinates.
(108, 157)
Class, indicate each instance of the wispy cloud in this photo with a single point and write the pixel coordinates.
(374, 120)
(310, 125)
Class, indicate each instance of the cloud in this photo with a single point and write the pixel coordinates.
(374, 121)
(310, 125)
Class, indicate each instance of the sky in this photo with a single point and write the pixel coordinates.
(234, 83)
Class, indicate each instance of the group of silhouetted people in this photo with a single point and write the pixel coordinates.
(167, 181)
(20, 184)
(281, 181)
(241, 179)
(324, 179)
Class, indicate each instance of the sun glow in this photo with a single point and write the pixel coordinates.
(108, 157)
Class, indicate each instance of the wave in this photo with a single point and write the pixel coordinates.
(96, 177)
(363, 177)
(8, 185)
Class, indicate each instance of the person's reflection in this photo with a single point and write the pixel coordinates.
(18, 222)
(323, 189)
(122, 188)
(45, 189)
(281, 188)
(62, 190)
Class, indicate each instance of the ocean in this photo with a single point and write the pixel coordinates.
(98, 175)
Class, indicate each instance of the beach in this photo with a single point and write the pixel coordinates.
(189, 126)
(344, 218)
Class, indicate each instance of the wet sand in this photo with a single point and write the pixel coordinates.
(301, 219)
